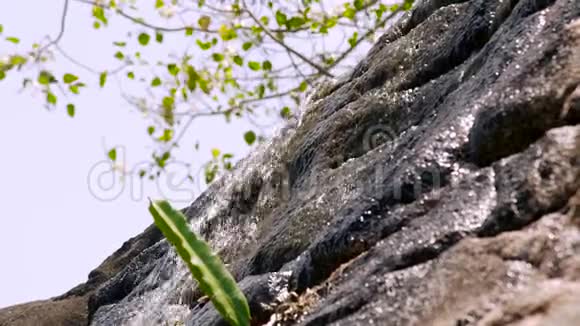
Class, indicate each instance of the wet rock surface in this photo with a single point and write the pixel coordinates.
(438, 185)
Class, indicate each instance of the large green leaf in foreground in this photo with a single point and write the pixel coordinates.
(211, 274)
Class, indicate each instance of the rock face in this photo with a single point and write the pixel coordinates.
(437, 185)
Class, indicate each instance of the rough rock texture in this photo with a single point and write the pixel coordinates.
(438, 185)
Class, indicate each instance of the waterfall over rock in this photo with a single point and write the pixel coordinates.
(437, 185)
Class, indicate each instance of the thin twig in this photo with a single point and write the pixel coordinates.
(277, 77)
(192, 117)
(162, 28)
(75, 61)
(318, 67)
(86, 67)
(295, 65)
(60, 33)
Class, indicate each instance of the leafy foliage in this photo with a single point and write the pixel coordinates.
(242, 60)
(211, 274)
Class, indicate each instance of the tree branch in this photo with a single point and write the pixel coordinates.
(75, 61)
(295, 65)
(84, 66)
(316, 66)
(162, 28)
(60, 33)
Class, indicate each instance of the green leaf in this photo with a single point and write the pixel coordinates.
(102, 78)
(349, 13)
(236, 9)
(250, 137)
(150, 130)
(143, 38)
(75, 88)
(167, 135)
(238, 60)
(119, 55)
(285, 112)
(211, 274)
(168, 104)
(281, 18)
(131, 75)
(380, 11)
(254, 65)
(246, 46)
(158, 4)
(215, 153)
(173, 69)
(329, 60)
(204, 85)
(12, 39)
(303, 86)
(158, 37)
(162, 161)
(353, 39)
(70, 109)
(69, 78)
(50, 98)
(203, 45)
(331, 22)
(2, 74)
(45, 78)
(204, 22)
(156, 82)
(17, 60)
(296, 22)
(192, 78)
(188, 31)
(99, 14)
(227, 33)
(217, 57)
(1, 28)
(211, 171)
(267, 65)
(112, 154)
(261, 90)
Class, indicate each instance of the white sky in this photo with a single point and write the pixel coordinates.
(54, 230)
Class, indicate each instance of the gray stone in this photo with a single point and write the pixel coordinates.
(433, 186)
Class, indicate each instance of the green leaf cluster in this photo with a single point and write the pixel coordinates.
(221, 60)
